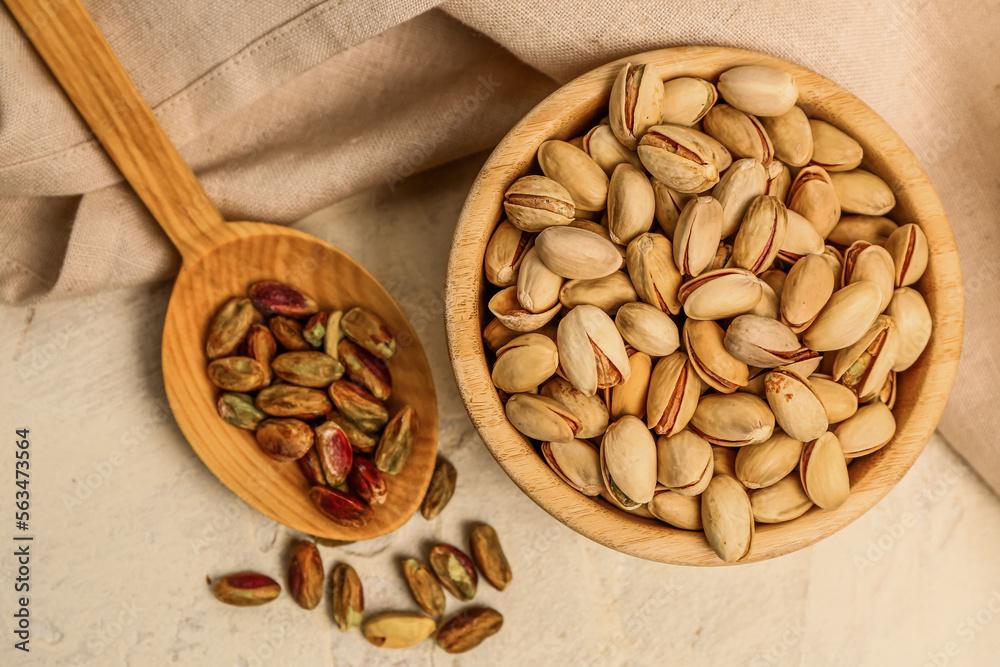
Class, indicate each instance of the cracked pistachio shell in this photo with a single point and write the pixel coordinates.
(629, 397)
(504, 253)
(575, 253)
(589, 410)
(668, 205)
(835, 260)
(686, 100)
(591, 350)
(759, 90)
(697, 235)
(601, 144)
(791, 136)
(862, 192)
(782, 501)
(908, 248)
(655, 276)
(764, 342)
(576, 462)
(800, 239)
(727, 518)
(636, 102)
(628, 462)
(806, 291)
(839, 401)
(769, 304)
(608, 293)
(741, 134)
(537, 286)
(873, 229)
(845, 318)
(509, 311)
(683, 159)
(864, 366)
(542, 418)
(812, 196)
(682, 512)
(674, 388)
(913, 320)
(647, 329)
(744, 181)
(823, 472)
(722, 256)
(807, 366)
(719, 294)
(796, 407)
(684, 463)
(766, 463)
(703, 340)
(534, 203)
(572, 168)
(631, 204)
(761, 234)
(779, 180)
(833, 149)
(524, 363)
(867, 430)
(733, 420)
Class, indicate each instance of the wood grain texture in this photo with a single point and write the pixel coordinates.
(221, 260)
(922, 392)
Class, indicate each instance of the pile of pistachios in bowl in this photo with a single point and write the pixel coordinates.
(320, 380)
(703, 304)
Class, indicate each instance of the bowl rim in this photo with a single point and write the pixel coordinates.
(922, 397)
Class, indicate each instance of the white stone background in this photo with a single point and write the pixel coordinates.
(128, 522)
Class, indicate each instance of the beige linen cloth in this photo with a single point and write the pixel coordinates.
(284, 107)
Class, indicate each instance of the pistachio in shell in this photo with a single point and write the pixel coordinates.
(710, 358)
(571, 167)
(591, 411)
(766, 463)
(908, 248)
(673, 394)
(576, 462)
(504, 253)
(591, 350)
(741, 133)
(653, 272)
(791, 136)
(759, 90)
(542, 418)
(796, 407)
(867, 430)
(845, 318)
(684, 463)
(575, 253)
(631, 204)
(647, 329)
(636, 102)
(727, 519)
(628, 462)
(733, 420)
(823, 472)
(834, 149)
(524, 363)
(782, 501)
(909, 310)
(682, 512)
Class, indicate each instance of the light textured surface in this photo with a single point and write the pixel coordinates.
(128, 522)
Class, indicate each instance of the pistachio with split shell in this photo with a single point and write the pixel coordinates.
(769, 305)
(864, 366)
(653, 272)
(674, 388)
(489, 556)
(704, 342)
(577, 253)
(333, 449)
(591, 350)
(229, 326)
(599, 228)
(455, 571)
(240, 374)
(468, 629)
(845, 317)
(668, 204)
(608, 293)
(440, 489)
(636, 102)
(765, 463)
(733, 420)
(782, 501)
(629, 397)
(537, 286)
(764, 342)
(572, 168)
(835, 260)
(823, 472)
(603, 146)
(398, 629)
(806, 291)
(813, 196)
(683, 159)
(864, 261)
(913, 321)
(367, 482)
(631, 204)
(628, 462)
(524, 363)
(796, 407)
(589, 410)
(424, 586)
(686, 100)
(684, 463)
(504, 253)
(239, 410)
(719, 294)
(647, 329)
(759, 90)
(779, 180)
(534, 203)
(791, 136)
(288, 333)
(908, 248)
(284, 440)
(359, 405)
(542, 418)
(697, 235)
(285, 400)
(867, 430)
(307, 369)
(397, 440)
(862, 192)
(576, 462)
(744, 181)
(682, 512)
(496, 334)
(761, 234)
(369, 331)
(366, 369)
(851, 228)
(274, 298)
(834, 149)
(741, 134)
(800, 239)
(515, 317)
(839, 401)
(727, 518)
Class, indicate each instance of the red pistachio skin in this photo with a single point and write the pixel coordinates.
(246, 589)
(340, 507)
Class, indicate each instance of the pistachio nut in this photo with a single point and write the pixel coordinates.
(366, 369)
(867, 430)
(697, 235)
(525, 362)
(591, 351)
(334, 334)
(722, 256)
(397, 629)
(489, 556)
(913, 321)
(703, 340)
(839, 401)
(603, 146)
(719, 294)
(782, 501)
(274, 298)
(725, 460)
(807, 289)
(733, 420)
(683, 159)
(246, 589)
(542, 418)
(766, 463)
(686, 100)
(833, 149)
(311, 469)
(796, 407)
(576, 462)
(347, 595)
(341, 508)
(908, 248)
(863, 366)
(744, 181)
(336, 457)
(314, 330)
(455, 571)
(888, 393)
(647, 329)
(764, 343)
(424, 586)
(440, 489)
(813, 196)
(306, 575)
(600, 228)
(608, 293)
(674, 389)
(845, 317)
(533, 203)
(356, 404)
(684, 463)
(369, 331)
(260, 346)
(800, 239)
(864, 261)
(636, 102)
(468, 629)
(791, 136)
(668, 205)
(741, 134)
(759, 90)
(629, 397)
(862, 192)
(851, 228)
(285, 400)
(229, 326)
(727, 518)
(628, 462)
(288, 333)
(769, 305)
(823, 472)
(367, 482)
(515, 317)
(361, 440)
(284, 440)
(631, 204)
(775, 279)
(761, 234)
(239, 410)
(307, 369)
(589, 410)
(239, 374)
(682, 512)
(396, 442)
(577, 253)
(835, 260)
(504, 253)
(577, 172)
(653, 272)
(496, 334)
(779, 180)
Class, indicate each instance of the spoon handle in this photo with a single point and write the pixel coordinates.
(75, 50)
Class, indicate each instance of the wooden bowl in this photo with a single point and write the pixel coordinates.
(923, 389)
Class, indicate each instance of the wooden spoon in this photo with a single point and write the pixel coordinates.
(220, 260)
